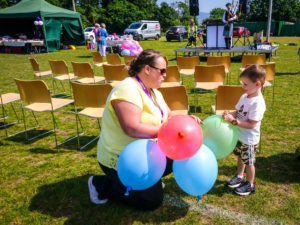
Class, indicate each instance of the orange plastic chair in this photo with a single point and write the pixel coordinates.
(115, 73)
(113, 59)
(176, 98)
(93, 98)
(172, 78)
(85, 71)
(36, 69)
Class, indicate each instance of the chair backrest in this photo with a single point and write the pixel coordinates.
(82, 69)
(90, 95)
(113, 58)
(34, 64)
(33, 91)
(59, 67)
(172, 74)
(175, 97)
(270, 70)
(187, 62)
(228, 96)
(166, 59)
(253, 59)
(210, 73)
(97, 57)
(115, 72)
(129, 58)
(219, 60)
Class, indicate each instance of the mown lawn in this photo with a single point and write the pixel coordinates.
(43, 185)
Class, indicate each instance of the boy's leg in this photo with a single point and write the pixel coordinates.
(250, 170)
(241, 167)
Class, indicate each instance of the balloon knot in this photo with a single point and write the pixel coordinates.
(199, 198)
(127, 191)
(181, 134)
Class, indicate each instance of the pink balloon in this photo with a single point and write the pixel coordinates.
(180, 137)
(134, 52)
(125, 46)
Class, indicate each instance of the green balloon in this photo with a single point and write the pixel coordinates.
(219, 135)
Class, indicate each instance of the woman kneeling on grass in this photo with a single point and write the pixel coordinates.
(134, 110)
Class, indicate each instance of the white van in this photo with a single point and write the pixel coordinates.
(144, 29)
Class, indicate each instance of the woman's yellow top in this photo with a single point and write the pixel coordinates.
(112, 138)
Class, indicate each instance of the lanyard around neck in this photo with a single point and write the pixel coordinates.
(149, 95)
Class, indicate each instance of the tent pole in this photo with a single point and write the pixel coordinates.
(73, 3)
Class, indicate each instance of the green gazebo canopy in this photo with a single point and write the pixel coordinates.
(60, 25)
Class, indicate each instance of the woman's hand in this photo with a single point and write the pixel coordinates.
(197, 119)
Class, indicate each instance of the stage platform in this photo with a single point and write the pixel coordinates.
(238, 49)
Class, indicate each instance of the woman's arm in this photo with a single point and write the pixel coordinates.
(129, 116)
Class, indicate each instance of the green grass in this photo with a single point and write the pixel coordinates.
(43, 185)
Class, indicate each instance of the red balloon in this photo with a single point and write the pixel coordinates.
(180, 137)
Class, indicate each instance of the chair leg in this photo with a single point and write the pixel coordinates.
(78, 141)
(24, 121)
(54, 127)
(4, 116)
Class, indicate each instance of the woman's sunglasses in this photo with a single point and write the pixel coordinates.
(162, 71)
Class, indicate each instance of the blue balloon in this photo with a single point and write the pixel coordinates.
(141, 164)
(125, 52)
(198, 174)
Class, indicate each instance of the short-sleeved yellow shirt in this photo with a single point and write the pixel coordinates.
(112, 138)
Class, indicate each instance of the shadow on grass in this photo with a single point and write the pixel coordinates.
(45, 151)
(282, 74)
(70, 198)
(84, 139)
(84, 56)
(279, 168)
(22, 139)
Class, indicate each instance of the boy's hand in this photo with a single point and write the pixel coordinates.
(225, 113)
(197, 119)
(229, 117)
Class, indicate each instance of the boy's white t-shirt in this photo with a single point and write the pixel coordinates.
(250, 109)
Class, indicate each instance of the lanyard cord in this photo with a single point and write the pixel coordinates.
(149, 95)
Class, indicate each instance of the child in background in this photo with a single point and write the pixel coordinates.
(248, 115)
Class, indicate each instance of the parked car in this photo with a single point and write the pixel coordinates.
(176, 33)
(144, 29)
(89, 34)
(240, 32)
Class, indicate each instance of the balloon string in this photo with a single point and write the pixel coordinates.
(127, 191)
(199, 198)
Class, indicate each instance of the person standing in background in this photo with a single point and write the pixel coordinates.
(101, 39)
(228, 18)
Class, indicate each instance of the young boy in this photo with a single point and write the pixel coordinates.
(248, 116)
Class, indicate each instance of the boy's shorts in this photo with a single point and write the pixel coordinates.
(246, 152)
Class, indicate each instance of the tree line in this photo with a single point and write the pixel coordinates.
(118, 14)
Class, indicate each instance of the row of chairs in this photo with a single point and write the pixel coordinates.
(35, 97)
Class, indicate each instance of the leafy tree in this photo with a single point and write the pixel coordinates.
(285, 10)
(167, 16)
(217, 13)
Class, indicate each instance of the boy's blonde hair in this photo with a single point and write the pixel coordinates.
(255, 73)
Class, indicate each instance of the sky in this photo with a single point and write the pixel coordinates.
(204, 5)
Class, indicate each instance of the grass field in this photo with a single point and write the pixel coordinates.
(43, 185)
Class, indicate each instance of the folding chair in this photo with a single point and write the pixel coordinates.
(270, 76)
(166, 59)
(176, 98)
(85, 71)
(226, 98)
(98, 59)
(187, 65)
(208, 78)
(37, 94)
(60, 73)
(6, 99)
(115, 73)
(93, 98)
(220, 60)
(36, 69)
(129, 58)
(113, 59)
(172, 78)
(252, 59)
